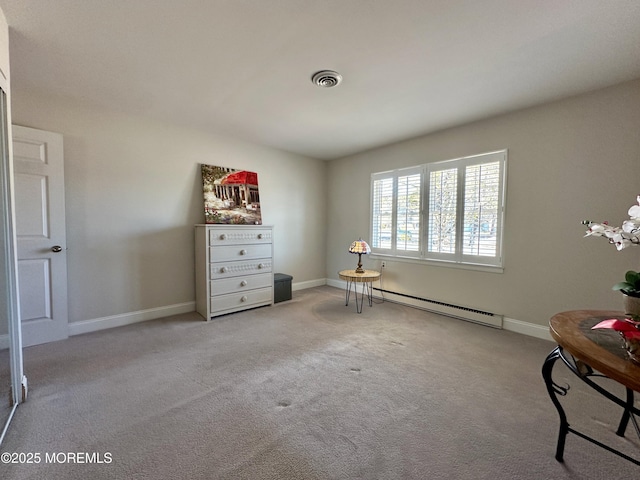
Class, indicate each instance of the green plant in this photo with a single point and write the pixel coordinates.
(631, 284)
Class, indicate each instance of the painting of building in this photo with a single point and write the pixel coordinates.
(230, 196)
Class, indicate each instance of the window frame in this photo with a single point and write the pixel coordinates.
(458, 259)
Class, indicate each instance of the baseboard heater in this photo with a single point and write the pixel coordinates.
(464, 313)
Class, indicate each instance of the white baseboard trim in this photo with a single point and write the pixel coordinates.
(103, 323)
(510, 324)
(526, 328)
(308, 284)
(95, 324)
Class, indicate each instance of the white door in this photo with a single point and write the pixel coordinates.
(41, 234)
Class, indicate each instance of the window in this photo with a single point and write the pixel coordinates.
(449, 211)
(396, 217)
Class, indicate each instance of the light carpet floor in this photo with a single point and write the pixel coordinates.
(307, 389)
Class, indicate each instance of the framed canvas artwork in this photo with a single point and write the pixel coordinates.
(230, 196)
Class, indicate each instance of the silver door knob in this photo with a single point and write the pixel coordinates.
(56, 249)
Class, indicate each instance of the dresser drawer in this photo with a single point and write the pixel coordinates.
(234, 236)
(234, 269)
(240, 284)
(239, 252)
(240, 300)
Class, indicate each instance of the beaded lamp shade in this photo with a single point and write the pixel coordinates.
(360, 247)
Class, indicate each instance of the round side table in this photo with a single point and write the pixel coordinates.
(366, 279)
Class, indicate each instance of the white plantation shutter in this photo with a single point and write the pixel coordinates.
(481, 202)
(396, 212)
(455, 215)
(382, 211)
(443, 187)
(408, 213)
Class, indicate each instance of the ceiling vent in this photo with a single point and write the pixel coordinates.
(326, 78)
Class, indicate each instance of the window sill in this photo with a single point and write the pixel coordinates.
(437, 263)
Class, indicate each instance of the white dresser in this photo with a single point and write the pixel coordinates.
(234, 268)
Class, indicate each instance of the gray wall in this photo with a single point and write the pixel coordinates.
(570, 160)
(133, 194)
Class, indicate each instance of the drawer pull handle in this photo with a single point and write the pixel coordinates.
(223, 237)
(243, 252)
(244, 298)
(243, 283)
(260, 265)
(260, 236)
(223, 269)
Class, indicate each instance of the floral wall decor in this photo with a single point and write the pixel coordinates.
(230, 196)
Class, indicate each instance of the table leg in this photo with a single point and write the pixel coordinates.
(348, 292)
(370, 293)
(359, 304)
(355, 293)
(365, 291)
(553, 391)
(624, 421)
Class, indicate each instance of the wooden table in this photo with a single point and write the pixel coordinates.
(366, 279)
(586, 352)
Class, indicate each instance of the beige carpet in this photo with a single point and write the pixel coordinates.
(306, 389)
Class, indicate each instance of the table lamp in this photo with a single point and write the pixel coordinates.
(359, 247)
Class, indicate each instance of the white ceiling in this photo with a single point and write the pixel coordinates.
(243, 67)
